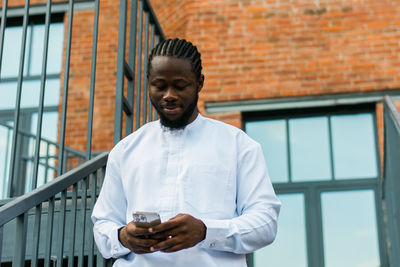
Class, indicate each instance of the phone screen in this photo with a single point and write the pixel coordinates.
(146, 219)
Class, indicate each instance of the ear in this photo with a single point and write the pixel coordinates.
(200, 83)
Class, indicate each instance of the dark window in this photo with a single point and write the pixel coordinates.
(29, 99)
(325, 169)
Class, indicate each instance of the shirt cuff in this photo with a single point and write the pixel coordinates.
(216, 234)
(117, 249)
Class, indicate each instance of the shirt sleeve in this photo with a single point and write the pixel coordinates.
(257, 206)
(109, 211)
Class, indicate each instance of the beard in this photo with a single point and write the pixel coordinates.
(182, 121)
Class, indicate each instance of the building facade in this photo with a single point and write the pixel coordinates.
(306, 79)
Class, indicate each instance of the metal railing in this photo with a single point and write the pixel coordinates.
(47, 159)
(51, 223)
(132, 106)
(134, 69)
(391, 182)
(62, 151)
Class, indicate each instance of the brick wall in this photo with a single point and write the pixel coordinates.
(251, 49)
(267, 49)
(270, 49)
(78, 99)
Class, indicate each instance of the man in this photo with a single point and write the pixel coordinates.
(206, 179)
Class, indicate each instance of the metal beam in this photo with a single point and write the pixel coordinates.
(22, 204)
(13, 12)
(299, 102)
(393, 111)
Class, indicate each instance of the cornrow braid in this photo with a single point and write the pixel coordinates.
(179, 48)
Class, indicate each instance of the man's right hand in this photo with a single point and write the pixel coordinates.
(136, 238)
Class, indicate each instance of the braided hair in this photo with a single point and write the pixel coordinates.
(179, 48)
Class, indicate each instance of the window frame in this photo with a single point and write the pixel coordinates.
(312, 190)
(18, 184)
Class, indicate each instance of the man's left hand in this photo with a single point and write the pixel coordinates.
(180, 232)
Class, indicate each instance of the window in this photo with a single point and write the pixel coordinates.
(318, 148)
(29, 100)
(325, 168)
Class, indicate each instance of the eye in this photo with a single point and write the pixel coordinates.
(181, 87)
(159, 87)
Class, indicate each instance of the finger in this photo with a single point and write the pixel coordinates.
(143, 243)
(164, 235)
(165, 226)
(142, 251)
(139, 231)
(172, 223)
(169, 242)
(134, 230)
(178, 215)
(173, 248)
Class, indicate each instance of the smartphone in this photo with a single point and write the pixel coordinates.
(146, 219)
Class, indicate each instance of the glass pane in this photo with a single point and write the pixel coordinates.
(349, 228)
(8, 91)
(354, 150)
(272, 137)
(309, 149)
(49, 125)
(30, 94)
(6, 134)
(12, 52)
(291, 237)
(55, 49)
(49, 132)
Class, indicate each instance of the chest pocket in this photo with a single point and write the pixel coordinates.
(206, 188)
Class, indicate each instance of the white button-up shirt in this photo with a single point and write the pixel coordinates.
(210, 170)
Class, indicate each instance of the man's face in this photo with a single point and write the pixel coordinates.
(173, 90)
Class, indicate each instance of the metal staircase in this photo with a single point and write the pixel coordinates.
(52, 222)
(50, 225)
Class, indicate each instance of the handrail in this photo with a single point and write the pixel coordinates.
(393, 110)
(25, 202)
(30, 135)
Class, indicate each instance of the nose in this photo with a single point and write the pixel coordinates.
(170, 95)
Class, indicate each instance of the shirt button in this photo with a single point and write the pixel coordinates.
(212, 245)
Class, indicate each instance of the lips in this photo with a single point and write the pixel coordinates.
(171, 109)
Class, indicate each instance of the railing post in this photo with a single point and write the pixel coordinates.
(65, 89)
(36, 235)
(41, 97)
(49, 234)
(152, 29)
(73, 226)
(92, 80)
(84, 186)
(139, 66)
(61, 228)
(1, 240)
(20, 240)
(18, 99)
(92, 202)
(146, 51)
(2, 30)
(119, 94)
